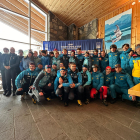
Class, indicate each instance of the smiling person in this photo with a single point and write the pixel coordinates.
(27, 77)
(122, 83)
(97, 80)
(62, 85)
(125, 58)
(44, 83)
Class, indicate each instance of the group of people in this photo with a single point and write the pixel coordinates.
(81, 77)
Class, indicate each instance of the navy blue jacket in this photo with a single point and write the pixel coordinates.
(45, 60)
(80, 61)
(65, 60)
(11, 60)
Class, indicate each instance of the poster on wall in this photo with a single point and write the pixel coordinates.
(118, 30)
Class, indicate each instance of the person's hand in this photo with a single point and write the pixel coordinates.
(7, 67)
(107, 87)
(49, 84)
(96, 91)
(19, 89)
(100, 58)
(60, 86)
(30, 87)
(60, 80)
(133, 97)
(41, 93)
(72, 85)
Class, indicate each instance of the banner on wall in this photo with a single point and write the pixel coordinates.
(85, 45)
(118, 30)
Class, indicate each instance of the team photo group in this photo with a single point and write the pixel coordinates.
(82, 78)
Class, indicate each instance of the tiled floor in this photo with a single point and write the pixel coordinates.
(22, 120)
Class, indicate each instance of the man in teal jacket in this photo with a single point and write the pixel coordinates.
(95, 58)
(123, 82)
(25, 79)
(76, 87)
(114, 56)
(125, 58)
(104, 61)
(97, 80)
(86, 82)
(44, 83)
(62, 85)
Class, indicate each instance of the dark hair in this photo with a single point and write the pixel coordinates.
(43, 51)
(87, 52)
(51, 52)
(5, 48)
(113, 46)
(125, 44)
(79, 49)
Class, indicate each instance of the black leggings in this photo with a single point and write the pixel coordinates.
(25, 88)
(47, 90)
(76, 92)
(64, 91)
(87, 92)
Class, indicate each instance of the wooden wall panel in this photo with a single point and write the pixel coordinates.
(135, 34)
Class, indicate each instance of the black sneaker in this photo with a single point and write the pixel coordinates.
(8, 93)
(113, 101)
(87, 101)
(5, 91)
(105, 102)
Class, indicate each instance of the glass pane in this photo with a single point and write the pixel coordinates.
(13, 27)
(38, 18)
(37, 37)
(18, 6)
(17, 46)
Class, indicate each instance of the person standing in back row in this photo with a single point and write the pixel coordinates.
(10, 64)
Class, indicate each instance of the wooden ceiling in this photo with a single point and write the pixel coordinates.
(80, 12)
(19, 23)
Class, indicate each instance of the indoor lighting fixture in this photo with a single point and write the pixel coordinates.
(133, 3)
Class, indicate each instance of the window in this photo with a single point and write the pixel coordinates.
(15, 21)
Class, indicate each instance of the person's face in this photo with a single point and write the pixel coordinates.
(125, 48)
(118, 69)
(73, 67)
(56, 54)
(84, 69)
(64, 52)
(108, 71)
(12, 50)
(86, 55)
(52, 55)
(72, 54)
(69, 65)
(40, 66)
(35, 54)
(138, 51)
(54, 67)
(61, 65)
(29, 54)
(32, 67)
(95, 69)
(79, 51)
(20, 53)
(131, 53)
(43, 54)
(40, 53)
(113, 49)
(48, 70)
(103, 54)
(62, 72)
(6, 50)
(95, 53)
